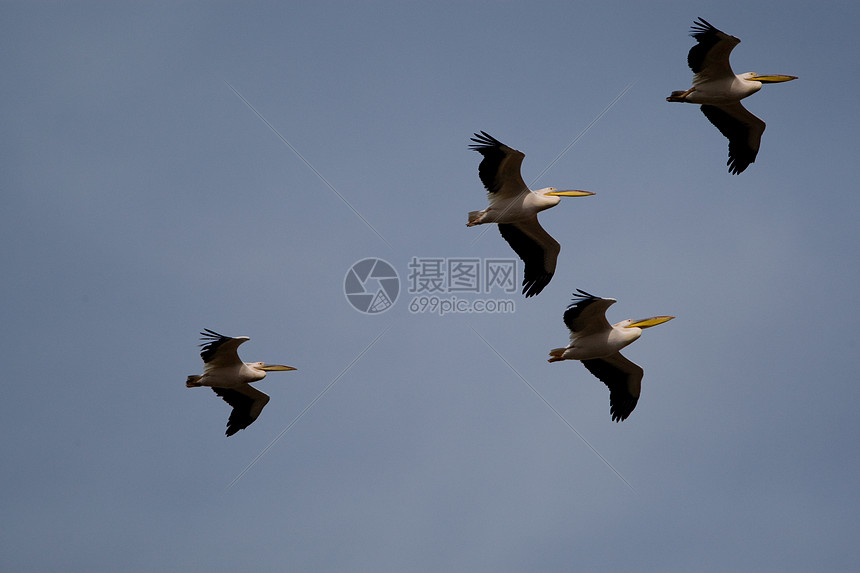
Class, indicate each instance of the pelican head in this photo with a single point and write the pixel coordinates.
(270, 367)
(646, 322)
(754, 77)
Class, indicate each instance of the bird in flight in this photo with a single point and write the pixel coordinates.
(515, 207)
(720, 91)
(596, 343)
(231, 379)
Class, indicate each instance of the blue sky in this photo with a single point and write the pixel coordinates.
(144, 200)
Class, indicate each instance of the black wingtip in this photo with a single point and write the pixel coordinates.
(582, 296)
(533, 286)
(210, 341)
(484, 140)
(701, 26)
(737, 167)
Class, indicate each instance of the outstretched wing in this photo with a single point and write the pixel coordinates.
(741, 128)
(624, 380)
(538, 250)
(500, 169)
(587, 314)
(247, 403)
(219, 350)
(709, 58)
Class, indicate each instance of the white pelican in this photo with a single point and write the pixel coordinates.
(720, 92)
(597, 343)
(230, 378)
(515, 207)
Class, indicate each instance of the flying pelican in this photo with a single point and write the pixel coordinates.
(597, 343)
(230, 378)
(720, 92)
(515, 207)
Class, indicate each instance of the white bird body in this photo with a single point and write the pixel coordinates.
(597, 344)
(232, 376)
(510, 208)
(229, 378)
(603, 343)
(723, 90)
(719, 91)
(515, 207)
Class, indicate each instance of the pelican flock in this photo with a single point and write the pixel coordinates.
(596, 343)
(720, 92)
(230, 378)
(514, 207)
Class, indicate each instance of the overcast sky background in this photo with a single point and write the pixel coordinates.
(143, 200)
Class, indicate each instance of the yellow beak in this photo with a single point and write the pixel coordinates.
(774, 79)
(570, 193)
(276, 368)
(649, 322)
